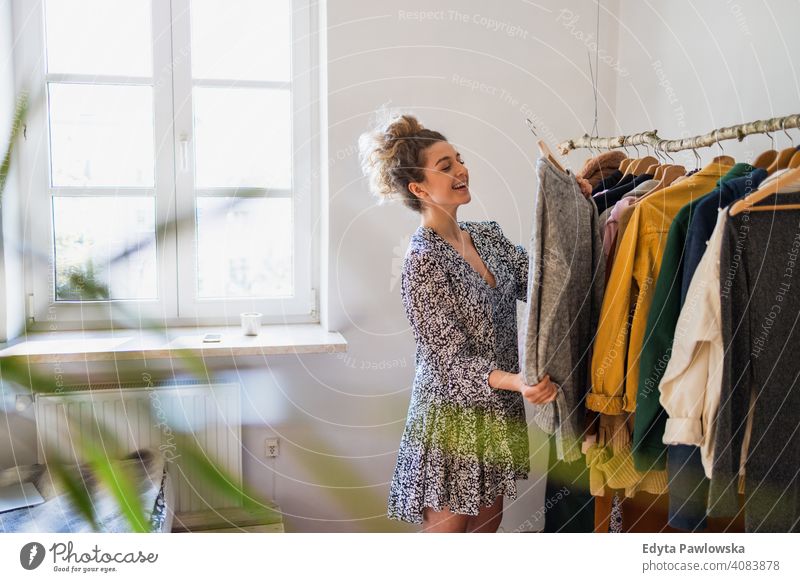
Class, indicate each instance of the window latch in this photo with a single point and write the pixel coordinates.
(184, 152)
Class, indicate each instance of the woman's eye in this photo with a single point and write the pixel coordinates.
(446, 169)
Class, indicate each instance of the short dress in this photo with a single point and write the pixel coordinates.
(464, 442)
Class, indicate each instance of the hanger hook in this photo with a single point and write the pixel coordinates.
(783, 127)
(772, 140)
(657, 153)
(719, 145)
(697, 157)
(665, 152)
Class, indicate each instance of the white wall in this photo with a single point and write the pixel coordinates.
(697, 66)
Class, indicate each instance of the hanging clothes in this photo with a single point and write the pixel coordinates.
(615, 363)
(600, 169)
(607, 182)
(611, 464)
(565, 291)
(688, 484)
(616, 222)
(760, 314)
(648, 448)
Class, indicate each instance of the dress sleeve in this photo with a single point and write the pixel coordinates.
(442, 340)
(518, 259)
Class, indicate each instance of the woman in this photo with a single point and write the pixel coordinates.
(465, 441)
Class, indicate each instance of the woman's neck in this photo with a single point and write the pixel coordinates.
(445, 224)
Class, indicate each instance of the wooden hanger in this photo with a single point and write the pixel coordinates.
(724, 160)
(764, 159)
(640, 166)
(795, 161)
(547, 153)
(624, 164)
(654, 169)
(787, 182)
(782, 161)
(671, 172)
(657, 171)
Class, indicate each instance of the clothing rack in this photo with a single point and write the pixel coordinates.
(651, 138)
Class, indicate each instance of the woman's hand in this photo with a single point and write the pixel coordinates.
(541, 393)
(585, 186)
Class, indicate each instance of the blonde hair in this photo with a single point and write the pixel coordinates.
(392, 155)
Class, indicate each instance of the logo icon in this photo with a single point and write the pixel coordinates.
(31, 555)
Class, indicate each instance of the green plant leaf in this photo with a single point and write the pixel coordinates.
(80, 498)
(196, 459)
(120, 482)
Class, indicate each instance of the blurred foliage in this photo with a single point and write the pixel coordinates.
(17, 373)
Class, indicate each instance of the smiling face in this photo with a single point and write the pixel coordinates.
(446, 182)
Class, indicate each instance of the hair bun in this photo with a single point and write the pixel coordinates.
(392, 155)
(402, 126)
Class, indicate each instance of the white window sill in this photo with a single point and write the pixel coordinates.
(103, 345)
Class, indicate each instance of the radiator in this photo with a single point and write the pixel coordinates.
(150, 416)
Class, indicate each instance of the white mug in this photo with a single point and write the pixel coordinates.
(251, 322)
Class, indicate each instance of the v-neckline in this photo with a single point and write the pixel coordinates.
(463, 226)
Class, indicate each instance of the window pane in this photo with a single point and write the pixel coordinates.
(244, 247)
(241, 39)
(101, 135)
(104, 243)
(99, 37)
(242, 137)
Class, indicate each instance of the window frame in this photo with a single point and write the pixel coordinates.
(174, 189)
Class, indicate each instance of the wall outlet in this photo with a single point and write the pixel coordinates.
(272, 447)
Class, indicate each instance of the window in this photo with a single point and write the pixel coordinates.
(170, 160)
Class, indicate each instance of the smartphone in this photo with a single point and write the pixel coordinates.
(211, 338)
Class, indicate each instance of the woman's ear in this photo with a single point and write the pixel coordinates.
(416, 189)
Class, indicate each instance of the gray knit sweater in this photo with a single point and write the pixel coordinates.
(565, 294)
(760, 312)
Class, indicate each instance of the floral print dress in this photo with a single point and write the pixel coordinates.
(464, 442)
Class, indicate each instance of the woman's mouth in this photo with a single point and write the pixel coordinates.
(460, 186)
